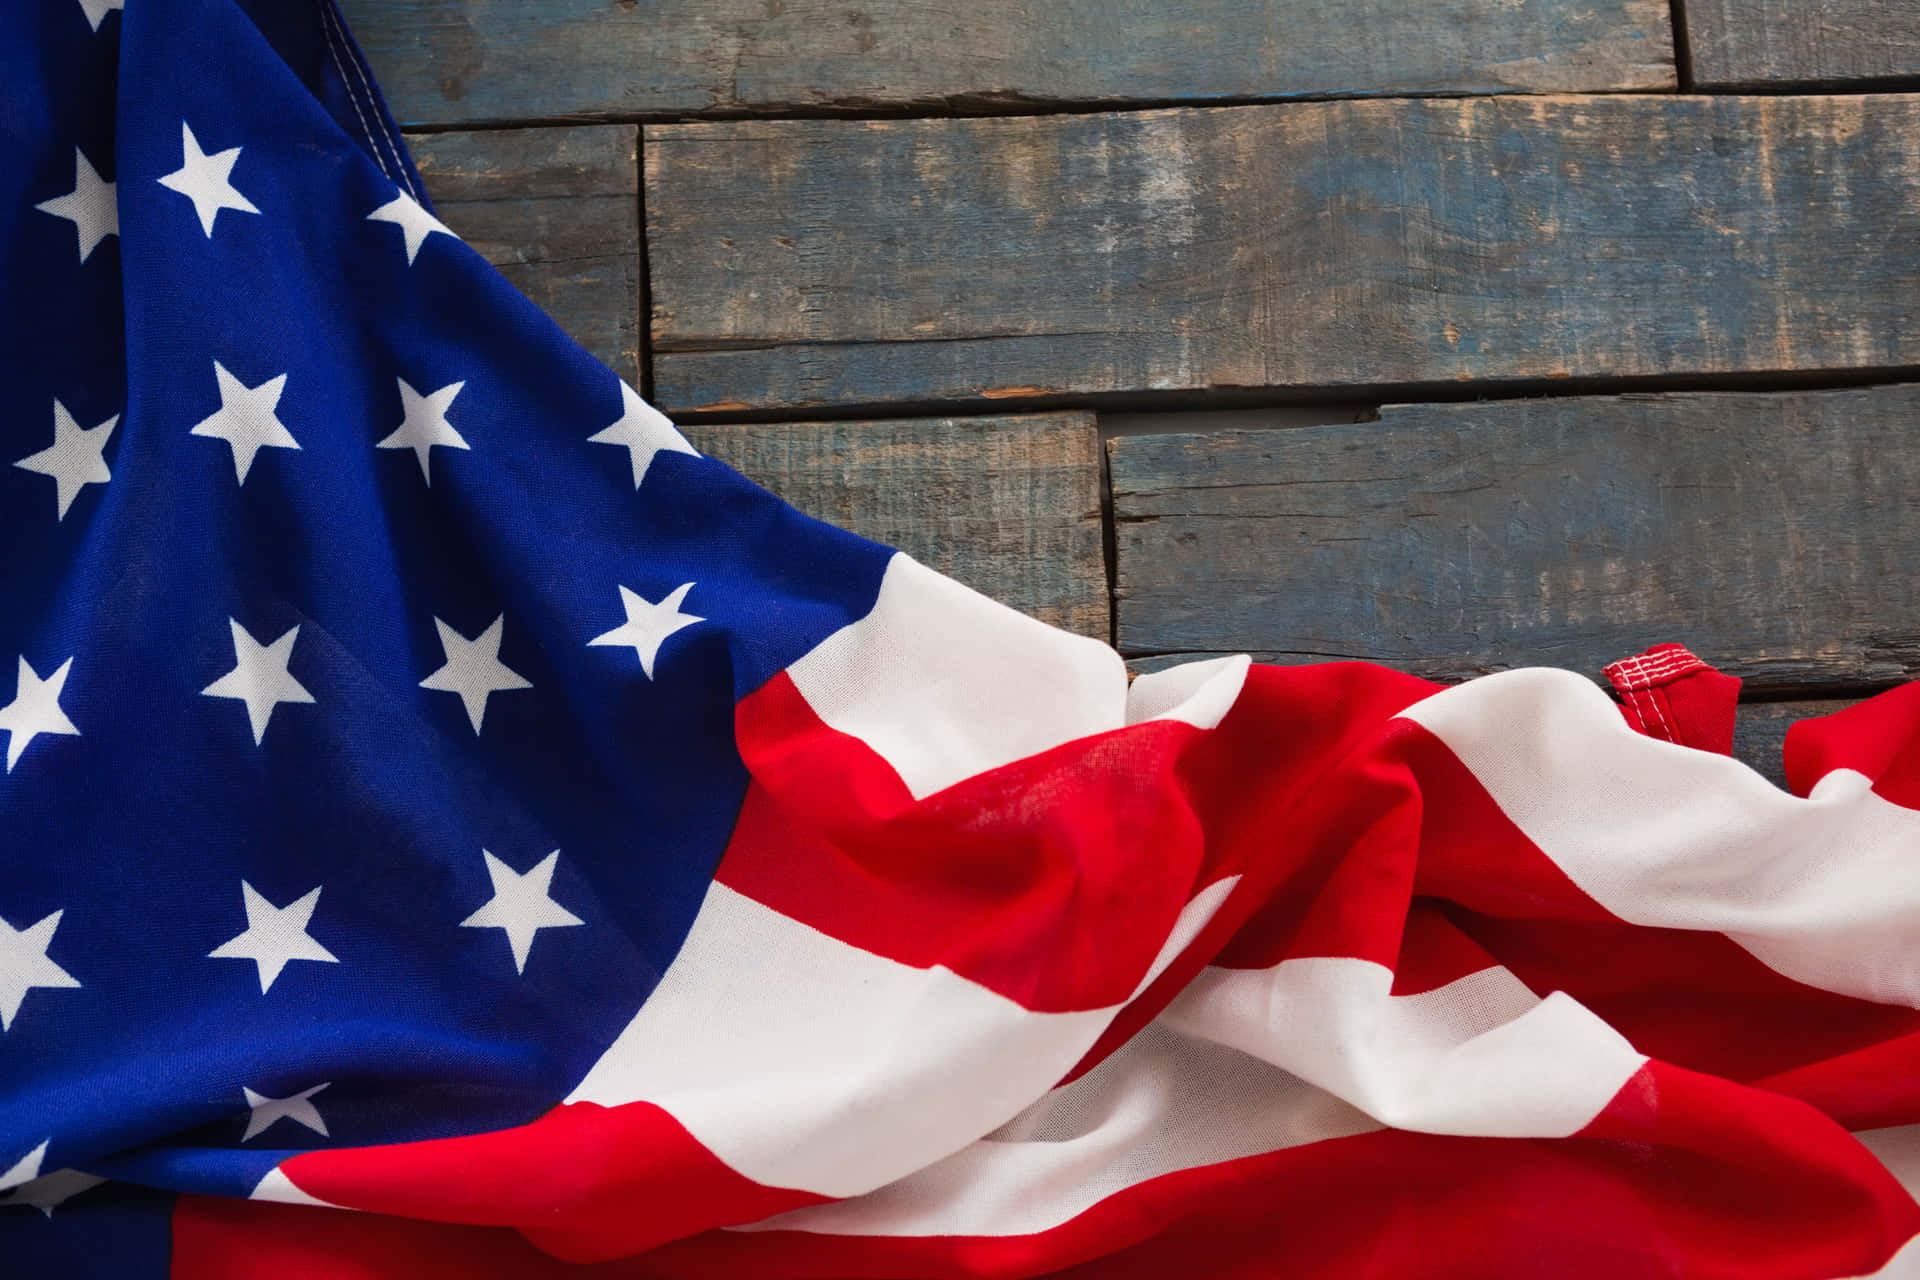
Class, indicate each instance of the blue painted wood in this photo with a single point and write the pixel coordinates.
(1773, 43)
(558, 211)
(1773, 534)
(1008, 505)
(1760, 732)
(1313, 245)
(471, 61)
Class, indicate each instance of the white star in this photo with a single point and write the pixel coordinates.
(648, 625)
(260, 677)
(473, 668)
(91, 206)
(297, 1109)
(415, 223)
(76, 458)
(96, 10)
(274, 935)
(246, 420)
(25, 1169)
(35, 709)
(51, 1190)
(203, 179)
(520, 905)
(643, 431)
(24, 965)
(424, 423)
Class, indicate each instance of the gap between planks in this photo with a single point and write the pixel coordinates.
(1335, 403)
(942, 111)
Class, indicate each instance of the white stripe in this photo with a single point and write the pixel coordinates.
(1825, 890)
(944, 683)
(279, 1187)
(1186, 927)
(1899, 1149)
(1161, 1103)
(804, 1062)
(1199, 693)
(1482, 1056)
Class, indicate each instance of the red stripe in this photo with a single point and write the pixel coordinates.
(1877, 737)
(1701, 1001)
(1470, 853)
(1696, 999)
(1404, 820)
(1873, 1086)
(1486, 894)
(1053, 880)
(1435, 951)
(583, 1182)
(1402, 1206)
(220, 1239)
(1019, 880)
(1275, 785)
(1684, 1176)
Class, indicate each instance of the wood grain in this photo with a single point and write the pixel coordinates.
(558, 211)
(1773, 534)
(1325, 244)
(480, 61)
(1762, 43)
(1009, 505)
(1760, 731)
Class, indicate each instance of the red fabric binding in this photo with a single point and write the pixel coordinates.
(1669, 693)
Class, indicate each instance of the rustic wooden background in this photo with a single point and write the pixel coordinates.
(1458, 336)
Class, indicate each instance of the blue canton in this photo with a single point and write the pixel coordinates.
(368, 651)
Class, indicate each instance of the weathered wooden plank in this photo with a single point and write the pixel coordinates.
(1324, 244)
(1760, 731)
(1756, 43)
(476, 61)
(1009, 505)
(1773, 534)
(558, 211)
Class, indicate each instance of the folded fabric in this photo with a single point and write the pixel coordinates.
(452, 827)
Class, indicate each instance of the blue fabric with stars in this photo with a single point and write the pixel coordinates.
(314, 585)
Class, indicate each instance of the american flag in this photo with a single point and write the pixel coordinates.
(450, 827)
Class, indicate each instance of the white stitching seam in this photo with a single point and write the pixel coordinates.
(1671, 656)
(1622, 679)
(1664, 667)
(1666, 729)
(1647, 722)
(366, 86)
(333, 52)
(348, 65)
(1665, 661)
(394, 144)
